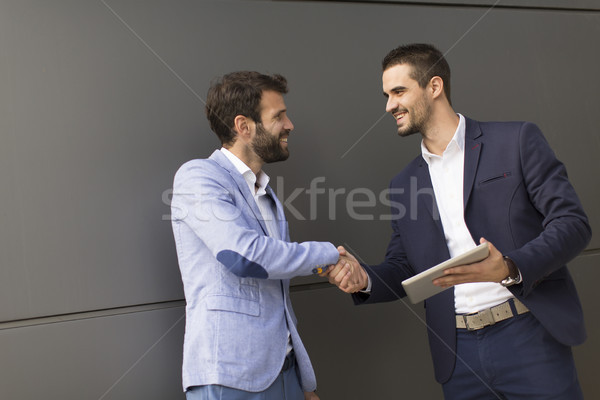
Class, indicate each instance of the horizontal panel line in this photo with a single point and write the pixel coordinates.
(590, 252)
(456, 5)
(109, 312)
(310, 286)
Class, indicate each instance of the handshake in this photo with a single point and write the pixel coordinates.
(348, 275)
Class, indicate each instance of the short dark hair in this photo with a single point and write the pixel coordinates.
(426, 62)
(238, 93)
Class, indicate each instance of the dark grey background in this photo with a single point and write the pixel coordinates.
(100, 102)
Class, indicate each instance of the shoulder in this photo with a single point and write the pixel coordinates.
(503, 127)
(205, 168)
(504, 132)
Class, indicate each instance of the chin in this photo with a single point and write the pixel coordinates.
(280, 157)
(407, 131)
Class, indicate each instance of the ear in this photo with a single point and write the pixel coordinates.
(436, 85)
(242, 125)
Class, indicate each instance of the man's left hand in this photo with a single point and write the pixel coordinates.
(492, 269)
(310, 396)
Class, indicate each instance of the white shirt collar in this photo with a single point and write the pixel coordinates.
(246, 172)
(457, 140)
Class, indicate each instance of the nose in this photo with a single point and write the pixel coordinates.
(391, 105)
(288, 124)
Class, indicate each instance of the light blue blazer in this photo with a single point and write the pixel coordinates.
(236, 280)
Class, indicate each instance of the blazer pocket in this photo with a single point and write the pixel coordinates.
(232, 304)
(504, 175)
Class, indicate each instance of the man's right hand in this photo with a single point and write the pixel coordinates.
(348, 275)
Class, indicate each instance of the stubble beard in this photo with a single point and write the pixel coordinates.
(419, 117)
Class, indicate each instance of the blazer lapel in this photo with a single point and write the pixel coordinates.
(281, 221)
(426, 195)
(222, 160)
(473, 147)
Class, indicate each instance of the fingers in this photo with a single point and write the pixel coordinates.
(336, 272)
(348, 275)
(452, 280)
(310, 396)
(491, 269)
(354, 280)
(343, 275)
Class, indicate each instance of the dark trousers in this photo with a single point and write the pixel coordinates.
(513, 359)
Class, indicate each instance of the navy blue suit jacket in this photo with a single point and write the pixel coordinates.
(516, 195)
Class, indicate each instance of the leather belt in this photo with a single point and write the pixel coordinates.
(289, 362)
(490, 316)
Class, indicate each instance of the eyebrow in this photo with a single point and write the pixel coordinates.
(278, 113)
(395, 90)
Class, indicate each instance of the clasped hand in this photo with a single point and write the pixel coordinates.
(351, 277)
(347, 274)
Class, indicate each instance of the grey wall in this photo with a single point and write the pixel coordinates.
(101, 101)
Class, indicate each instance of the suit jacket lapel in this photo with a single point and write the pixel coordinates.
(222, 160)
(426, 195)
(473, 147)
(281, 221)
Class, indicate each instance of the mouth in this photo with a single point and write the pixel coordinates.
(283, 140)
(399, 116)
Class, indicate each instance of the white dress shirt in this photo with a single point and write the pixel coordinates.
(447, 176)
(257, 186)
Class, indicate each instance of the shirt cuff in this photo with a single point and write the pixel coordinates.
(368, 289)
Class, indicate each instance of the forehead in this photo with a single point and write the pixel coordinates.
(398, 75)
(271, 102)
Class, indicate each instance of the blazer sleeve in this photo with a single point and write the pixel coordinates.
(209, 209)
(566, 231)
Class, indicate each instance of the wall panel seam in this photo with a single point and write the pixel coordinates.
(454, 5)
(110, 312)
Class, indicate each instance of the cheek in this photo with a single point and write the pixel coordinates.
(277, 128)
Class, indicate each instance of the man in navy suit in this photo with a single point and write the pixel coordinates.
(505, 328)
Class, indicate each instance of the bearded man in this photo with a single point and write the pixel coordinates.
(235, 255)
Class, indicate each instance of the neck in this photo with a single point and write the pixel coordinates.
(440, 130)
(248, 157)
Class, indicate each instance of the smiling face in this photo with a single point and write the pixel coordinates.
(270, 142)
(406, 100)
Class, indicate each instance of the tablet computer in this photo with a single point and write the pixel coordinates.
(420, 286)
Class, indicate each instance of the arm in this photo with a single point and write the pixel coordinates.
(565, 232)
(209, 209)
(386, 278)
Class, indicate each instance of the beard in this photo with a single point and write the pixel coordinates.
(419, 117)
(268, 147)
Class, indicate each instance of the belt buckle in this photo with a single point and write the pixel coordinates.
(479, 320)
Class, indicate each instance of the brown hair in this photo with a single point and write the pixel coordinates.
(426, 62)
(238, 93)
